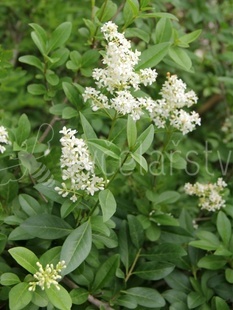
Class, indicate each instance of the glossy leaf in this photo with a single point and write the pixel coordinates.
(46, 226)
(224, 227)
(107, 204)
(30, 205)
(135, 231)
(25, 258)
(163, 31)
(146, 297)
(19, 296)
(131, 132)
(153, 55)
(59, 298)
(180, 57)
(154, 270)
(71, 93)
(76, 247)
(106, 272)
(60, 35)
(212, 262)
(145, 140)
(9, 279)
(79, 296)
(32, 60)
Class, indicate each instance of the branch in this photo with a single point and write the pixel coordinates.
(96, 302)
(210, 103)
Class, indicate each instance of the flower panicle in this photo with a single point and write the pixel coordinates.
(210, 195)
(47, 276)
(4, 139)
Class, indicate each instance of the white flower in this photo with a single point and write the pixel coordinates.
(77, 167)
(209, 194)
(48, 276)
(227, 128)
(170, 107)
(3, 138)
(118, 76)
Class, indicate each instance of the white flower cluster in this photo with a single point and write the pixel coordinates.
(227, 128)
(47, 277)
(3, 138)
(209, 194)
(119, 76)
(77, 167)
(170, 107)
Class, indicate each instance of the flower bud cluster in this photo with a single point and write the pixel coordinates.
(119, 77)
(77, 167)
(3, 139)
(47, 277)
(210, 198)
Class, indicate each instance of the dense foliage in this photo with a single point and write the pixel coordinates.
(116, 137)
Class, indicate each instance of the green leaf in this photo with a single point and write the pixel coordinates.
(52, 78)
(39, 37)
(89, 132)
(3, 241)
(69, 112)
(163, 30)
(106, 147)
(154, 270)
(23, 130)
(76, 247)
(138, 33)
(40, 298)
(49, 192)
(59, 298)
(165, 219)
(220, 303)
(30, 205)
(146, 297)
(75, 61)
(212, 262)
(167, 197)
(71, 93)
(224, 227)
(208, 241)
(106, 272)
(127, 301)
(131, 132)
(130, 11)
(107, 204)
(229, 275)
(165, 252)
(36, 89)
(90, 58)
(51, 256)
(145, 140)
(190, 37)
(79, 296)
(153, 55)
(180, 57)
(60, 35)
(32, 60)
(195, 299)
(159, 15)
(57, 108)
(8, 279)
(25, 258)
(19, 296)
(107, 11)
(46, 226)
(135, 231)
(140, 160)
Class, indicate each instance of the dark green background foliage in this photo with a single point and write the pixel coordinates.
(142, 242)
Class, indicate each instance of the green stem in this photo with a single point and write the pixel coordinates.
(133, 265)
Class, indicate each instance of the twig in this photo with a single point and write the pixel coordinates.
(96, 302)
(210, 103)
(48, 129)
